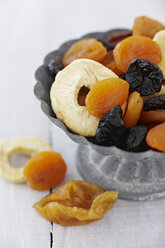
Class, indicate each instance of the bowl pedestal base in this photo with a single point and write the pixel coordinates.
(139, 180)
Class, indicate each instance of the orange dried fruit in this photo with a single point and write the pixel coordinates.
(108, 58)
(45, 170)
(153, 116)
(156, 137)
(136, 47)
(76, 203)
(124, 107)
(134, 108)
(110, 63)
(87, 48)
(105, 95)
(145, 26)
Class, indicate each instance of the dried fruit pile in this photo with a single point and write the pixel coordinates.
(123, 75)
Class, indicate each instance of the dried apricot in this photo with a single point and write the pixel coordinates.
(136, 47)
(156, 137)
(105, 95)
(108, 58)
(151, 116)
(45, 170)
(134, 108)
(109, 62)
(146, 26)
(123, 107)
(87, 48)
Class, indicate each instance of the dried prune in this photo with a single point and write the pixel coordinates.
(115, 38)
(134, 139)
(122, 76)
(155, 103)
(144, 77)
(54, 67)
(111, 128)
(107, 45)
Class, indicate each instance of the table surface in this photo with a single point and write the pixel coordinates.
(29, 30)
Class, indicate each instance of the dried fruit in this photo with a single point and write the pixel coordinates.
(65, 91)
(136, 47)
(134, 108)
(105, 95)
(76, 203)
(160, 93)
(155, 103)
(87, 48)
(144, 77)
(109, 62)
(108, 58)
(146, 26)
(124, 106)
(117, 37)
(45, 170)
(134, 139)
(30, 146)
(153, 116)
(107, 45)
(54, 67)
(111, 128)
(159, 38)
(156, 137)
(112, 66)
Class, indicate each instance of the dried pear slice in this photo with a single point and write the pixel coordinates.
(27, 145)
(65, 90)
(159, 38)
(76, 203)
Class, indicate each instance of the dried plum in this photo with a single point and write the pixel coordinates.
(144, 77)
(135, 139)
(155, 103)
(111, 128)
(54, 67)
(107, 45)
(122, 76)
(117, 37)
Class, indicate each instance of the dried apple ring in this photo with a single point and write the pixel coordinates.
(65, 91)
(159, 38)
(30, 146)
(76, 203)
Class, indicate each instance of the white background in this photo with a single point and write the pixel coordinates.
(28, 31)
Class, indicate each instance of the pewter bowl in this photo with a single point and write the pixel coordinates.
(137, 176)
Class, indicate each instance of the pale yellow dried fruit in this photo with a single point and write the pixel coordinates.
(65, 90)
(76, 203)
(30, 146)
(159, 38)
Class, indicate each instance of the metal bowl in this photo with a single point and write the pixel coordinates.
(137, 176)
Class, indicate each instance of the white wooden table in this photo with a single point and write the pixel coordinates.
(29, 30)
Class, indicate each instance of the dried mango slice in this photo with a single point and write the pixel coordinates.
(76, 203)
(27, 145)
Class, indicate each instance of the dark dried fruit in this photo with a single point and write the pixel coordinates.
(155, 103)
(111, 128)
(122, 76)
(54, 67)
(144, 77)
(135, 139)
(107, 45)
(115, 38)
